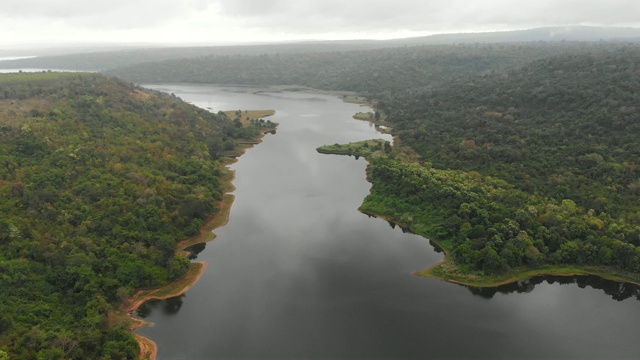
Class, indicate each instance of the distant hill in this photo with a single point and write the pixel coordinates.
(369, 72)
(556, 33)
(101, 58)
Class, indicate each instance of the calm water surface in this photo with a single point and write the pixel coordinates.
(298, 272)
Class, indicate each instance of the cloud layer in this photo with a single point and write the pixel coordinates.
(263, 20)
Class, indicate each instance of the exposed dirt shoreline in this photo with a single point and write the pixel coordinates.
(148, 347)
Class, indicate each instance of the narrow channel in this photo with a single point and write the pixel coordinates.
(298, 272)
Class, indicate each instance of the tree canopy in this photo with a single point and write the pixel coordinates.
(99, 179)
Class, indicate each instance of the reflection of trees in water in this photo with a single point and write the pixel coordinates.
(172, 306)
(404, 229)
(436, 247)
(195, 250)
(618, 291)
(169, 306)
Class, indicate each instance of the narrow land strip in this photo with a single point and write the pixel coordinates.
(447, 269)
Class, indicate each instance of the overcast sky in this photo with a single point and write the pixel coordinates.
(231, 21)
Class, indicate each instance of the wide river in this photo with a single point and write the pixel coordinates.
(298, 272)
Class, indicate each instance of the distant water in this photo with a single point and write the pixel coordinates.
(298, 272)
(16, 57)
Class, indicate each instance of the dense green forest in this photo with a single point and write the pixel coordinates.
(99, 179)
(379, 73)
(522, 167)
(562, 132)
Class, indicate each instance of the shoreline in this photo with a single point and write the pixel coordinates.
(447, 270)
(148, 347)
(499, 280)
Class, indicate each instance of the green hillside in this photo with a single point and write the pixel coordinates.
(99, 180)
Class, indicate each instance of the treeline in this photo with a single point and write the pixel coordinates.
(99, 179)
(379, 73)
(107, 58)
(490, 226)
(102, 60)
(563, 129)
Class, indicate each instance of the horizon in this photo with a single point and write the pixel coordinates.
(106, 45)
(28, 23)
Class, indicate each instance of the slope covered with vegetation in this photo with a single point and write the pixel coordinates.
(561, 132)
(379, 73)
(99, 180)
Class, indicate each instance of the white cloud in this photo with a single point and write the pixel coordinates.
(262, 20)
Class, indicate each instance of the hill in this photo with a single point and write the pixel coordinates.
(99, 57)
(523, 168)
(99, 181)
(370, 72)
(546, 34)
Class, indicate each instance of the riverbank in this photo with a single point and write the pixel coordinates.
(148, 348)
(447, 269)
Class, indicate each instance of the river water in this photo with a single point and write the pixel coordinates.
(298, 272)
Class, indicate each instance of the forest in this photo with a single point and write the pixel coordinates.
(99, 181)
(561, 132)
(378, 73)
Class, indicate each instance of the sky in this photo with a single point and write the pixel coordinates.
(24, 22)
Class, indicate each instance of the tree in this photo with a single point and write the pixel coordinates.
(387, 147)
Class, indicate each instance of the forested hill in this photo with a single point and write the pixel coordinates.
(101, 60)
(99, 57)
(563, 133)
(98, 180)
(379, 73)
(572, 120)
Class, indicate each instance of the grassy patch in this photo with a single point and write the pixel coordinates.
(246, 116)
(25, 77)
(364, 148)
(364, 116)
(354, 99)
(177, 287)
(18, 113)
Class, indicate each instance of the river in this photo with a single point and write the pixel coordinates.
(298, 272)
